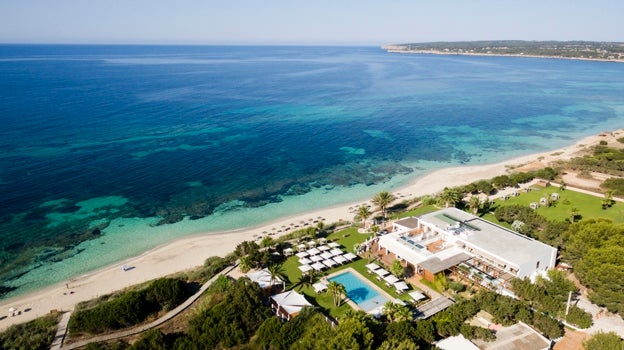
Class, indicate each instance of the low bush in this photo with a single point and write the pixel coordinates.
(36, 334)
(129, 309)
(579, 317)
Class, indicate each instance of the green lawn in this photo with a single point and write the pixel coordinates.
(347, 239)
(588, 206)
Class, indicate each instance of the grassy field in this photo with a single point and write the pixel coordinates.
(588, 206)
(347, 238)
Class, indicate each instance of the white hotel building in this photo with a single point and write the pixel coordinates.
(451, 239)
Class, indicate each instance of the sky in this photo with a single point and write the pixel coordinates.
(311, 22)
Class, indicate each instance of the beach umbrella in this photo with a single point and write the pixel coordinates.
(336, 251)
(340, 259)
(381, 272)
(401, 286)
(372, 266)
(326, 255)
(391, 279)
(350, 256)
(305, 268)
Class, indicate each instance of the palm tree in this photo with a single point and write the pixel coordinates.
(337, 290)
(449, 197)
(395, 312)
(474, 204)
(382, 200)
(397, 269)
(312, 275)
(266, 242)
(363, 214)
(320, 228)
(375, 230)
(276, 272)
(245, 264)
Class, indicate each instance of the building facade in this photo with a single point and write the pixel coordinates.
(451, 239)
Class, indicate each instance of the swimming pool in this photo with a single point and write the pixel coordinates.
(360, 291)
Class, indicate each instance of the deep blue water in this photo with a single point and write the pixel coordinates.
(91, 135)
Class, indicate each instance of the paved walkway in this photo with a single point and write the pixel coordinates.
(128, 332)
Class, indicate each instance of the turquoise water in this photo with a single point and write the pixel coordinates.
(360, 291)
(108, 151)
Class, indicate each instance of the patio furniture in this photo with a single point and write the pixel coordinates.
(313, 251)
(305, 268)
(350, 256)
(340, 259)
(319, 287)
(318, 266)
(336, 251)
(329, 263)
(401, 287)
(390, 280)
(326, 255)
(302, 254)
(416, 295)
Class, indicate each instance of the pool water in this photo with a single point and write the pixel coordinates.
(360, 291)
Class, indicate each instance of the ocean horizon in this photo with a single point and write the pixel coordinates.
(107, 151)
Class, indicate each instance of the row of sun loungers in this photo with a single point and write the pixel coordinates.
(390, 279)
(323, 257)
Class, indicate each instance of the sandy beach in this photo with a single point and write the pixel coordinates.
(191, 251)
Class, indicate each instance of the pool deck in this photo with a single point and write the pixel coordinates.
(366, 280)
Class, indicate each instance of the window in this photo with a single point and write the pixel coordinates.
(537, 265)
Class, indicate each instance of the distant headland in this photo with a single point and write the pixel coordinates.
(585, 50)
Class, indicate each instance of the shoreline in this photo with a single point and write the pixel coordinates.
(191, 251)
(442, 53)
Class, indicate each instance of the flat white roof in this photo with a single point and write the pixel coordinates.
(457, 342)
(503, 244)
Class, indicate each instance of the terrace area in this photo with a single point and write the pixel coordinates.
(305, 282)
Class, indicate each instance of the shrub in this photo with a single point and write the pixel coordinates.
(457, 287)
(129, 309)
(166, 293)
(614, 184)
(36, 334)
(579, 317)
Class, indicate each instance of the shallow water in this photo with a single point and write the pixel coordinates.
(107, 151)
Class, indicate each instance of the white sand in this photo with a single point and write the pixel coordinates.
(190, 252)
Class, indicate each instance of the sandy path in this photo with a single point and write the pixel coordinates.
(191, 251)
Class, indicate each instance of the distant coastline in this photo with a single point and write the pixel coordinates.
(585, 51)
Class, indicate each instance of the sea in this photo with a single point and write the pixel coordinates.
(108, 151)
